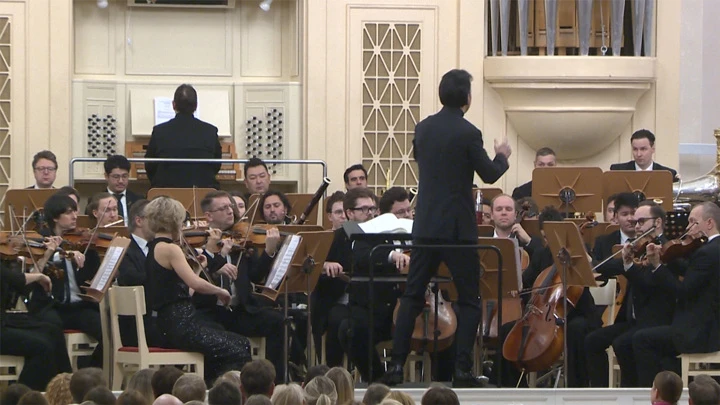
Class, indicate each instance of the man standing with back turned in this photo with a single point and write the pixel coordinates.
(184, 137)
(448, 151)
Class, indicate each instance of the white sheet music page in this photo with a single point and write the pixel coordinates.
(387, 223)
(282, 261)
(106, 268)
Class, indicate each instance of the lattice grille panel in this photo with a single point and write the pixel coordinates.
(264, 136)
(101, 135)
(390, 102)
(5, 123)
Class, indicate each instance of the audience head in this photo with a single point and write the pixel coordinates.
(58, 390)
(290, 394)
(218, 208)
(610, 209)
(275, 207)
(704, 390)
(104, 208)
(454, 89)
(142, 383)
(257, 176)
(189, 387)
(70, 192)
(390, 401)
(334, 209)
(33, 398)
(401, 397)
(167, 399)
(232, 376)
(396, 200)
(102, 396)
(704, 218)
(321, 391)
(44, 166)
(258, 400)
(343, 385)
(504, 212)
(643, 147)
(61, 211)
(440, 395)
(117, 173)
(13, 393)
(359, 204)
(375, 393)
(185, 99)
(625, 206)
(164, 379)
(166, 215)
(257, 377)
(545, 157)
(355, 176)
(667, 387)
(224, 393)
(315, 371)
(85, 379)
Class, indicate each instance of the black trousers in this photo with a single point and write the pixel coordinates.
(83, 316)
(464, 265)
(333, 348)
(654, 352)
(41, 344)
(615, 335)
(354, 336)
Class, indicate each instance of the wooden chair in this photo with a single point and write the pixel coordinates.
(78, 344)
(130, 301)
(257, 347)
(11, 367)
(605, 296)
(692, 365)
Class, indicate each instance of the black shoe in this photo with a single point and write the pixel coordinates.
(393, 376)
(466, 379)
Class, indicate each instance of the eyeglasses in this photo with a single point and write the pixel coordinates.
(119, 176)
(641, 221)
(337, 212)
(45, 169)
(223, 208)
(366, 210)
(402, 212)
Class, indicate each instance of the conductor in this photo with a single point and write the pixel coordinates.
(448, 150)
(184, 137)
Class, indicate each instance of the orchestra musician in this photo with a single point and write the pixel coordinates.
(486, 212)
(544, 157)
(184, 137)
(610, 209)
(64, 307)
(132, 272)
(445, 213)
(695, 326)
(504, 216)
(625, 206)
(275, 207)
(117, 175)
(643, 148)
(240, 204)
(44, 166)
(170, 276)
(103, 208)
(396, 201)
(646, 304)
(257, 176)
(355, 176)
(334, 209)
(249, 317)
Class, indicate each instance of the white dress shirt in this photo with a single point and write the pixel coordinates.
(123, 202)
(649, 168)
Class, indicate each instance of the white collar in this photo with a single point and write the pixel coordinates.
(623, 238)
(713, 237)
(123, 193)
(649, 169)
(140, 241)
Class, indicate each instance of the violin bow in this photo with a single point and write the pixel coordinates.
(247, 236)
(95, 230)
(644, 234)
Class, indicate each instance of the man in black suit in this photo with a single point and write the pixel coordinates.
(132, 272)
(184, 137)
(544, 157)
(695, 327)
(448, 151)
(643, 148)
(44, 166)
(646, 304)
(355, 176)
(504, 215)
(117, 176)
(625, 206)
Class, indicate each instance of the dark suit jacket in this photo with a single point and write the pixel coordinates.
(449, 150)
(601, 251)
(183, 137)
(631, 166)
(385, 294)
(696, 324)
(522, 191)
(329, 290)
(131, 198)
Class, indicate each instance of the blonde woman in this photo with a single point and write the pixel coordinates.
(170, 277)
(321, 391)
(343, 385)
(290, 394)
(58, 390)
(401, 397)
(141, 382)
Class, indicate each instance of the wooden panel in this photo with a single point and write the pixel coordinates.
(567, 35)
(137, 149)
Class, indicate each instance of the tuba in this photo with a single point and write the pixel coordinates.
(704, 188)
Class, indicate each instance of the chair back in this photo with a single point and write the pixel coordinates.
(606, 296)
(128, 301)
(107, 337)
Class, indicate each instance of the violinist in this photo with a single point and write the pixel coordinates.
(581, 320)
(695, 326)
(64, 308)
(103, 208)
(625, 206)
(646, 303)
(610, 209)
(275, 207)
(132, 272)
(505, 218)
(257, 176)
(240, 205)
(249, 316)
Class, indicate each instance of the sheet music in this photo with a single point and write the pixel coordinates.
(108, 264)
(164, 110)
(387, 223)
(282, 262)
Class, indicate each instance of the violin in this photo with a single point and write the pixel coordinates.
(81, 239)
(590, 222)
(31, 247)
(681, 247)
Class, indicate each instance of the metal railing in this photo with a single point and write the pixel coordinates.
(71, 171)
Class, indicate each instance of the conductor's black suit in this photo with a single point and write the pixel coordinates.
(183, 137)
(449, 151)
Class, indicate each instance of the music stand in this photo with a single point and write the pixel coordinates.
(570, 189)
(24, 202)
(531, 226)
(650, 185)
(488, 193)
(300, 228)
(190, 198)
(485, 231)
(301, 277)
(119, 230)
(570, 256)
(105, 274)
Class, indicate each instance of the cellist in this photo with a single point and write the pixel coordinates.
(504, 215)
(582, 319)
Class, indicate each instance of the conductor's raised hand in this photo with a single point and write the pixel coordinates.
(503, 148)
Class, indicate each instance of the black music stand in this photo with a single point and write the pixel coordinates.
(570, 189)
(651, 185)
(25, 202)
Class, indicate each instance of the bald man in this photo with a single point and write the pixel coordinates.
(167, 399)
